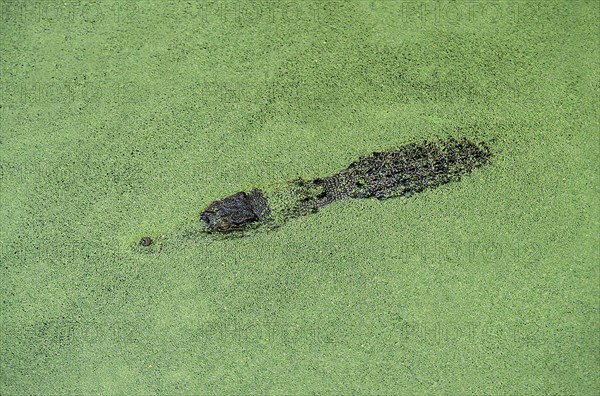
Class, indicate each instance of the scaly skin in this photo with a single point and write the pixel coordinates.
(410, 169)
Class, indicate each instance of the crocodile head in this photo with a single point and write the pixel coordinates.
(236, 212)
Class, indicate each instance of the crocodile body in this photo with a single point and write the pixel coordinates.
(410, 169)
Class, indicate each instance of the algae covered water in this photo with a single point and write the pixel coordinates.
(121, 120)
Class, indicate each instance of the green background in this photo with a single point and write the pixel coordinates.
(120, 120)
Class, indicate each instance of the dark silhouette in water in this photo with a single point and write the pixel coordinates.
(146, 241)
(235, 211)
(410, 169)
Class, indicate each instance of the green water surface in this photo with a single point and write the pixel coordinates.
(125, 119)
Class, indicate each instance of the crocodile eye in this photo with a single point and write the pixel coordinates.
(146, 241)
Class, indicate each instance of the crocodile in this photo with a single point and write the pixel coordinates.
(407, 170)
